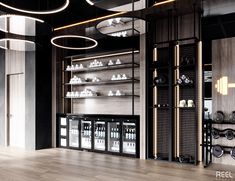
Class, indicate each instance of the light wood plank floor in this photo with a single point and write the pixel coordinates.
(72, 165)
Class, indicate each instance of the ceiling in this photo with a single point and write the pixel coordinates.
(78, 10)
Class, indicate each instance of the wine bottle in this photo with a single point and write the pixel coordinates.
(126, 136)
(112, 133)
(117, 133)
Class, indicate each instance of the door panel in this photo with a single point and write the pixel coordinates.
(16, 110)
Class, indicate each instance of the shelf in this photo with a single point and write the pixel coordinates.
(213, 122)
(104, 82)
(160, 85)
(160, 108)
(186, 67)
(111, 67)
(160, 68)
(100, 97)
(185, 85)
(79, 58)
(187, 108)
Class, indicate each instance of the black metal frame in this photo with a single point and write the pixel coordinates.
(103, 118)
(170, 85)
(207, 139)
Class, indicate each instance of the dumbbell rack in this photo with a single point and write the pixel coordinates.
(207, 140)
(172, 129)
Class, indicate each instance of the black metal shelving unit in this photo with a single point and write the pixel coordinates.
(173, 137)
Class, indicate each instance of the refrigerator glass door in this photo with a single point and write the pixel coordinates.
(86, 134)
(129, 138)
(99, 135)
(73, 133)
(114, 136)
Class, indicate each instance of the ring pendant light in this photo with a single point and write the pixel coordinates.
(63, 7)
(76, 37)
(26, 17)
(5, 40)
(9, 24)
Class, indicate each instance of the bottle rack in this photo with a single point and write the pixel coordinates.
(208, 138)
(174, 134)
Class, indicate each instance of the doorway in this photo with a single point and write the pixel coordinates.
(16, 110)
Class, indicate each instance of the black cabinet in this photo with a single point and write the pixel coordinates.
(109, 134)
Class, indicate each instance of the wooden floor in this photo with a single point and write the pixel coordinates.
(70, 165)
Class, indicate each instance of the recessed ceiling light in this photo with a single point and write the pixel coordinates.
(63, 7)
(76, 37)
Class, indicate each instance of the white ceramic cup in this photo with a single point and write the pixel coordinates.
(182, 103)
(190, 103)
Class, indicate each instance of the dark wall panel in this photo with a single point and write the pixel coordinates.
(43, 97)
(30, 107)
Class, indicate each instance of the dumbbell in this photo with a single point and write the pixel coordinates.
(161, 79)
(232, 117)
(232, 153)
(215, 133)
(217, 151)
(219, 116)
(229, 134)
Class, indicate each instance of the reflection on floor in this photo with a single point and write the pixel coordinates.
(72, 165)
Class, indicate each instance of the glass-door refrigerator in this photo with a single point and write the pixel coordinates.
(86, 134)
(74, 132)
(114, 136)
(129, 138)
(99, 135)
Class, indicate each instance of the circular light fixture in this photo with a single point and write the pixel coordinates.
(17, 44)
(26, 17)
(17, 24)
(121, 27)
(90, 2)
(77, 37)
(63, 7)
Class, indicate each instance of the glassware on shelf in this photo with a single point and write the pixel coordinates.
(119, 77)
(118, 62)
(88, 93)
(118, 93)
(110, 63)
(95, 63)
(110, 93)
(73, 94)
(76, 80)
